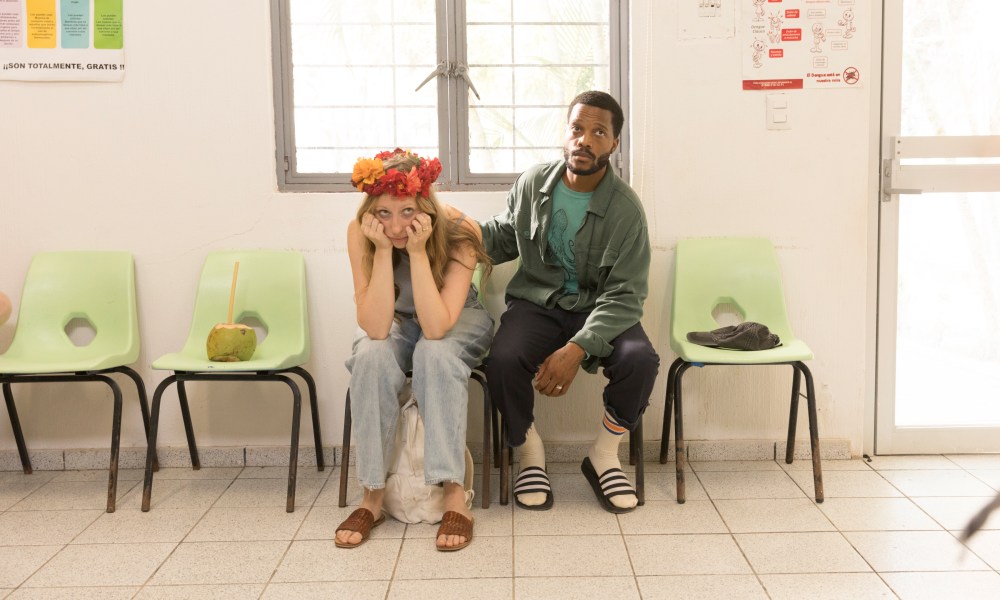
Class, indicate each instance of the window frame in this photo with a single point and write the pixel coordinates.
(453, 110)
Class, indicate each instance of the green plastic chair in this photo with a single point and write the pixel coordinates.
(62, 287)
(742, 272)
(271, 289)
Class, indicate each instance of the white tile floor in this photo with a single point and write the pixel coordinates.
(749, 530)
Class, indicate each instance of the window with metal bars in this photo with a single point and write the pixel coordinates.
(482, 84)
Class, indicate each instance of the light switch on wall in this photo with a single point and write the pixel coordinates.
(709, 8)
(706, 19)
(777, 111)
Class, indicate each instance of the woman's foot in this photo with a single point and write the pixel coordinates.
(372, 501)
(454, 500)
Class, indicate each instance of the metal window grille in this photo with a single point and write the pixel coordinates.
(483, 84)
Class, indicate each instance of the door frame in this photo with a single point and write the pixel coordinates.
(881, 435)
(873, 216)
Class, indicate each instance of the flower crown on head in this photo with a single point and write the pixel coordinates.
(371, 177)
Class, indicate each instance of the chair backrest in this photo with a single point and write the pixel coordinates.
(743, 272)
(98, 287)
(477, 280)
(271, 288)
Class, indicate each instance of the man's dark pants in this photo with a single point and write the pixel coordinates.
(529, 333)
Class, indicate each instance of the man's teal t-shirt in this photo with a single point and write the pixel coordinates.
(569, 208)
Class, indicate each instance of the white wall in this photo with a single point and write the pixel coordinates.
(179, 160)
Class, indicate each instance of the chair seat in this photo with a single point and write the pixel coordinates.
(180, 361)
(789, 351)
(16, 366)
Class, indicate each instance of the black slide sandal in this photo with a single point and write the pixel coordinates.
(612, 482)
(533, 480)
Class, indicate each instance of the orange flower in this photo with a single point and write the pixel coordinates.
(366, 172)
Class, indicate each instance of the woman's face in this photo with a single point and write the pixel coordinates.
(395, 215)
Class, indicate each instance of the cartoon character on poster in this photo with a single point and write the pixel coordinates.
(758, 10)
(848, 24)
(774, 29)
(818, 37)
(758, 53)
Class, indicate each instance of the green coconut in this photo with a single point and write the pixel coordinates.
(231, 342)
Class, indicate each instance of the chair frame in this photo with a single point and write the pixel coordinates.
(181, 377)
(490, 421)
(674, 399)
(98, 376)
(743, 271)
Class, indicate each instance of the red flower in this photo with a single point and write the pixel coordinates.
(416, 182)
(411, 183)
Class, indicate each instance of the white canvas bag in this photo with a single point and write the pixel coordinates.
(407, 497)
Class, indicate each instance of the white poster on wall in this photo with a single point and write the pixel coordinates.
(795, 44)
(61, 40)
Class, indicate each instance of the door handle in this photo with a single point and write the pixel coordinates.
(888, 166)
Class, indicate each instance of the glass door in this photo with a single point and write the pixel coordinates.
(938, 387)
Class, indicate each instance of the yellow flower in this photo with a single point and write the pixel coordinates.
(366, 172)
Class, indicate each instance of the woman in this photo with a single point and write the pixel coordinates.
(412, 259)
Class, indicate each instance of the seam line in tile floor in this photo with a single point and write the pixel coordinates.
(749, 529)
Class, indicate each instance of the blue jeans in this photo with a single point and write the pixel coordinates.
(441, 371)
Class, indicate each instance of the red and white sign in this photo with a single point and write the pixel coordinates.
(796, 44)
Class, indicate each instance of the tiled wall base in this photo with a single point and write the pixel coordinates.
(270, 456)
(703, 450)
(41, 460)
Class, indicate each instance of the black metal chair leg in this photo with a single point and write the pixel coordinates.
(154, 419)
(188, 427)
(631, 450)
(345, 451)
(793, 415)
(487, 410)
(813, 432)
(497, 446)
(668, 404)
(140, 389)
(506, 458)
(15, 425)
(116, 436)
(680, 456)
(640, 486)
(314, 409)
(293, 452)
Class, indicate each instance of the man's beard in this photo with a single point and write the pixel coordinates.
(599, 163)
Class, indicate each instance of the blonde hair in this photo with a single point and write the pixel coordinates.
(446, 234)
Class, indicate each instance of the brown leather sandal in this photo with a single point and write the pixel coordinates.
(453, 523)
(361, 521)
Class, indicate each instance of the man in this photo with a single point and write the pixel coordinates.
(575, 300)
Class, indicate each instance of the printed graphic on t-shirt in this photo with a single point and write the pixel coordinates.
(563, 245)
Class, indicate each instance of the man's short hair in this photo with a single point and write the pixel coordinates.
(601, 100)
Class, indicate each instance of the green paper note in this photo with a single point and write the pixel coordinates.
(108, 24)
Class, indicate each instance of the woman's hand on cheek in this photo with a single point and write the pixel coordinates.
(374, 231)
(418, 233)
